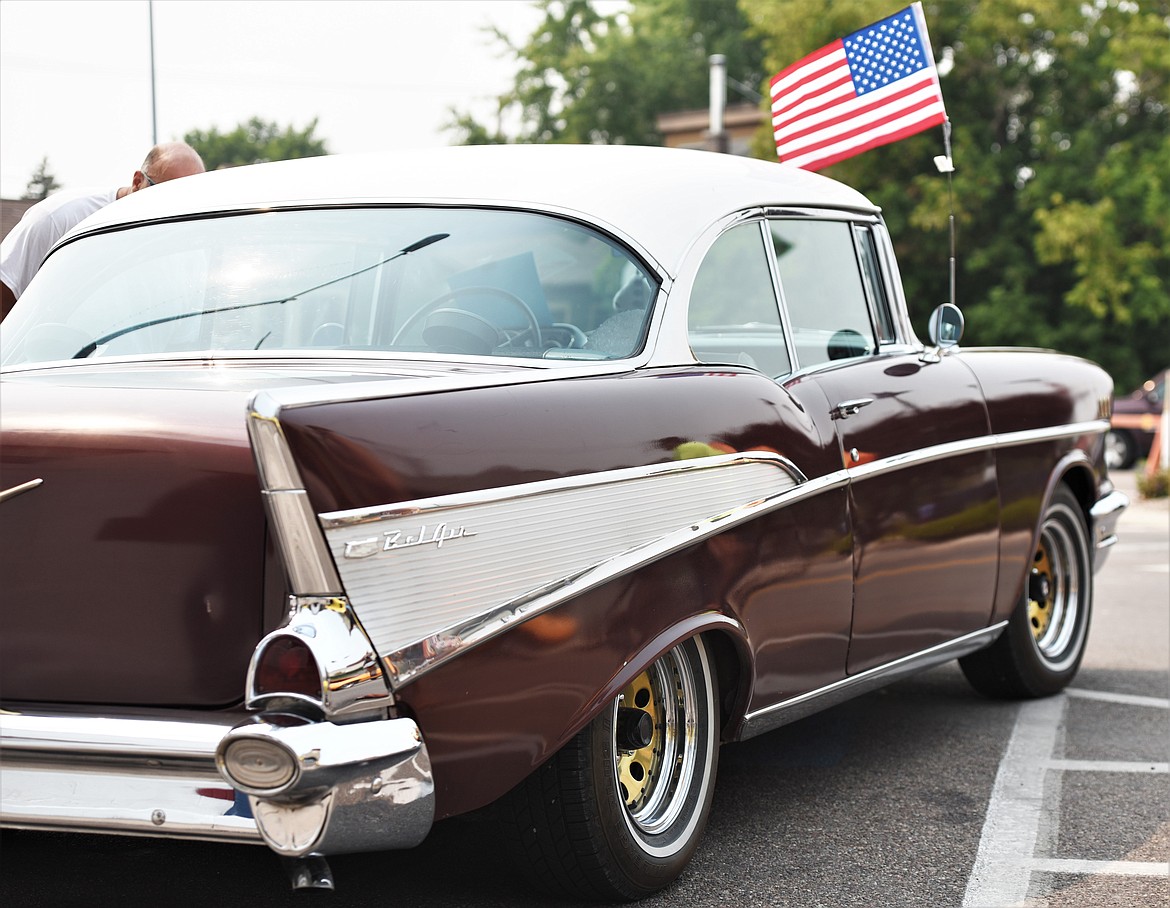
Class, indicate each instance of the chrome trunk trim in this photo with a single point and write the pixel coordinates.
(306, 561)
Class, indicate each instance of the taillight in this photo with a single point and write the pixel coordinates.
(287, 666)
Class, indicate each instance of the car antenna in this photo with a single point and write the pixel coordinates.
(405, 250)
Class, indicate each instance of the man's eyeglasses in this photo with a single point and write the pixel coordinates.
(149, 181)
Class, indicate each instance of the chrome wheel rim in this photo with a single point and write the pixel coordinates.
(653, 780)
(1057, 589)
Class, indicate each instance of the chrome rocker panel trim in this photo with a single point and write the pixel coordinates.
(758, 721)
(363, 786)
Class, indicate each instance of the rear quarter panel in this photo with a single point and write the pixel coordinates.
(777, 589)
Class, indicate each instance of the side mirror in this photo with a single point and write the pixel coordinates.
(946, 326)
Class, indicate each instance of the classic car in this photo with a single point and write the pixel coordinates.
(345, 495)
(1135, 418)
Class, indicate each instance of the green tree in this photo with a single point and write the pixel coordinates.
(42, 183)
(254, 142)
(603, 79)
(1062, 147)
(1061, 139)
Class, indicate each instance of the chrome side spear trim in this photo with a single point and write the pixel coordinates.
(20, 489)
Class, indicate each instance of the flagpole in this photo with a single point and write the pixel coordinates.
(946, 164)
(951, 202)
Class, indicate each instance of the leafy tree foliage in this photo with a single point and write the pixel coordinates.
(42, 183)
(1061, 139)
(255, 142)
(603, 79)
(1061, 116)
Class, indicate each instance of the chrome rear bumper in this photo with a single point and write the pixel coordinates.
(1105, 513)
(154, 776)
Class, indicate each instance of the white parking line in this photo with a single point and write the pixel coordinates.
(1106, 766)
(1108, 868)
(1003, 864)
(1006, 858)
(1127, 699)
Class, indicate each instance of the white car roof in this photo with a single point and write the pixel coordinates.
(659, 197)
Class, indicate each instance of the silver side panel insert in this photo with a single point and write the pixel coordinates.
(429, 578)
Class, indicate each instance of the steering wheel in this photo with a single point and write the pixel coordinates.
(441, 302)
(577, 337)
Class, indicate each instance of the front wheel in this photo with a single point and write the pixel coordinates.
(619, 811)
(1040, 650)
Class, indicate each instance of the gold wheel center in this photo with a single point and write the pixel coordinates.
(1040, 593)
(637, 769)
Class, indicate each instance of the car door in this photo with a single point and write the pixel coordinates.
(909, 428)
(793, 589)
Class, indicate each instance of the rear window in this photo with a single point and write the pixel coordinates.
(415, 280)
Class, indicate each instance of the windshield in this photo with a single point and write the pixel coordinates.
(415, 280)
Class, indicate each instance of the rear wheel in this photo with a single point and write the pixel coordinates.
(619, 811)
(1040, 650)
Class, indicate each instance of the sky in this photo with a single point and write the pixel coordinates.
(75, 75)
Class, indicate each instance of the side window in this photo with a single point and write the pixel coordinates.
(823, 290)
(875, 288)
(733, 315)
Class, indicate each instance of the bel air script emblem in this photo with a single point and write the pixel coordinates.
(399, 539)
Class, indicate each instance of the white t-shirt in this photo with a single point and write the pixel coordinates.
(27, 244)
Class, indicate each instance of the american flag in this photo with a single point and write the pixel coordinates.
(870, 88)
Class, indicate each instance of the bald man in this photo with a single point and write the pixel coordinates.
(26, 246)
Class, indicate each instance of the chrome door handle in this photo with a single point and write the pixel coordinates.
(850, 407)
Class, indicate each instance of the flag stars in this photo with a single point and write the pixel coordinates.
(884, 52)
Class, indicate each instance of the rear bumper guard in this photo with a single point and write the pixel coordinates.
(361, 787)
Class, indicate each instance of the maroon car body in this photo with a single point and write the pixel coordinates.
(353, 580)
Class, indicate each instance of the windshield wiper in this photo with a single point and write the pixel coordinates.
(89, 348)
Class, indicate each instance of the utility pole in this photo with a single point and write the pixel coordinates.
(718, 102)
(153, 105)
